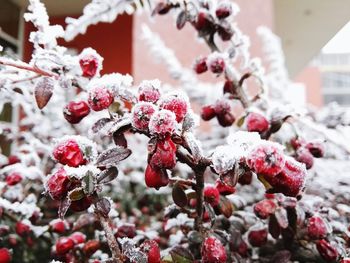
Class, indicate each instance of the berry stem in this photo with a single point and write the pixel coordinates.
(199, 170)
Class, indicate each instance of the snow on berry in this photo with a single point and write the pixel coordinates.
(256, 122)
(90, 62)
(22, 229)
(211, 195)
(213, 251)
(224, 159)
(200, 65)
(162, 123)
(208, 112)
(58, 226)
(141, 114)
(258, 237)
(216, 62)
(204, 22)
(151, 248)
(68, 152)
(223, 9)
(149, 91)
(74, 112)
(13, 178)
(165, 155)
(224, 189)
(304, 156)
(57, 184)
(64, 245)
(176, 102)
(266, 158)
(316, 227)
(264, 208)
(78, 237)
(100, 98)
(316, 148)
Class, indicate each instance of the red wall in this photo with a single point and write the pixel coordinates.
(113, 41)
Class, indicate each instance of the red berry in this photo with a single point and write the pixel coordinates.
(345, 260)
(162, 123)
(211, 195)
(4, 230)
(13, 178)
(68, 152)
(200, 65)
(141, 115)
(22, 229)
(208, 112)
(297, 142)
(290, 181)
(64, 245)
(12, 159)
(100, 98)
(91, 247)
(5, 255)
(226, 120)
(126, 230)
(224, 189)
(148, 92)
(265, 208)
(78, 237)
(257, 238)
(256, 122)
(223, 112)
(176, 103)
(213, 251)
(151, 248)
(225, 31)
(57, 184)
(246, 178)
(316, 228)
(155, 177)
(229, 87)
(223, 10)
(327, 251)
(317, 149)
(304, 156)
(80, 205)
(266, 159)
(216, 65)
(165, 155)
(204, 22)
(89, 63)
(58, 226)
(74, 112)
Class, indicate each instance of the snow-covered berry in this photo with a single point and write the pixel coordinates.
(155, 177)
(213, 251)
(164, 156)
(316, 148)
(224, 189)
(151, 248)
(200, 65)
(13, 178)
(141, 115)
(297, 142)
(316, 227)
(78, 237)
(264, 208)
(223, 112)
(57, 184)
(327, 251)
(74, 112)
(267, 159)
(223, 10)
(216, 63)
(256, 122)
(225, 31)
(211, 195)
(149, 91)
(162, 123)
(304, 156)
(258, 238)
(12, 159)
(22, 229)
(208, 112)
(100, 98)
(204, 22)
(5, 255)
(68, 152)
(176, 103)
(64, 245)
(90, 62)
(58, 226)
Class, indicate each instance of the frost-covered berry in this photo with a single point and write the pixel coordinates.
(317, 149)
(223, 112)
(223, 10)
(149, 91)
(5, 255)
(256, 122)
(155, 177)
(58, 226)
(225, 31)
(100, 98)
(208, 112)
(22, 229)
(176, 103)
(69, 153)
(204, 22)
(257, 238)
(291, 180)
(327, 251)
(90, 247)
(151, 248)
(164, 156)
(64, 245)
(162, 123)
(12, 159)
(213, 251)
(267, 159)
(74, 112)
(57, 184)
(126, 230)
(345, 260)
(226, 120)
(13, 178)
(141, 115)
(200, 65)
(90, 62)
(216, 63)
(265, 208)
(297, 142)
(316, 228)
(304, 156)
(78, 237)
(224, 189)
(211, 195)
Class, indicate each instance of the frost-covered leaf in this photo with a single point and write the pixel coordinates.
(103, 206)
(112, 157)
(181, 20)
(63, 208)
(88, 183)
(281, 217)
(130, 250)
(107, 175)
(225, 206)
(274, 227)
(179, 195)
(76, 194)
(121, 125)
(180, 254)
(43, 91)
(98, 125)
(194, 145)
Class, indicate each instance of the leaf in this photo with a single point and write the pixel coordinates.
(112, 157)
(107, 175)
(194, 145)
(210, 211)
(120, 125)
(120, 140)
(179, 195)
(63, 208)
(88, 183)
(180, 254)
(282, 256)
(98, 125)
(181, 20)
(76, 194)
(274, 227)
(103, 206)
(188, 123)
(225, 206)
(281, 217)
(240, 122)
(43, 91)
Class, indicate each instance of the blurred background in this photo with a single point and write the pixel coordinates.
(315, 37)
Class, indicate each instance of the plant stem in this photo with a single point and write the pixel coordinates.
(199, 173)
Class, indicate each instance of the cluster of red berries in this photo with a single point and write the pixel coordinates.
(213, 251)
(221, 110)
(215, 63)
(305, 152)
